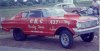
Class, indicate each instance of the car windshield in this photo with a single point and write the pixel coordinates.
(56, 12)
(35, 13)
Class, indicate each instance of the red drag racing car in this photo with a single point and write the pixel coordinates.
(51, 22)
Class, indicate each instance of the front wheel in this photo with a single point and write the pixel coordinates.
(66, 39)
(87, 37)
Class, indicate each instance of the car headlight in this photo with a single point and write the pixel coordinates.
(87, 24)
(79, 25)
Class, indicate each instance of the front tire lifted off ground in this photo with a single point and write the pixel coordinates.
(66, 39)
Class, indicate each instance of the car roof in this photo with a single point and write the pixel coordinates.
(46, 9)
(62, 3)
(34, 9)
(39, 8)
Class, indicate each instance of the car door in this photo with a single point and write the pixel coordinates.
(38, 22)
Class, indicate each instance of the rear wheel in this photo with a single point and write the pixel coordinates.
(87, 37)
(66, 39)
(40, 36)
(19, 35)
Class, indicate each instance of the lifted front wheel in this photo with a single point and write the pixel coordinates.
(66, 39)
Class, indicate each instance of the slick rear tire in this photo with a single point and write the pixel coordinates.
(19, 35)
(66, 39)
(40, 36)
(87, 37)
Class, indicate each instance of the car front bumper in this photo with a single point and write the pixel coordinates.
(87, 30)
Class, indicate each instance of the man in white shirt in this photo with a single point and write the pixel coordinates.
(96, 7)
(90, 11)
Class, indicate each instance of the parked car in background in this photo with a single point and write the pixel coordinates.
(51, 22)
(69, 7)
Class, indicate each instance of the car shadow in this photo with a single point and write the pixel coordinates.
(48, 43)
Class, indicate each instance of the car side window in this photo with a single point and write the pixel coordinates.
(24, 14)
(45, 13)
(35, 14)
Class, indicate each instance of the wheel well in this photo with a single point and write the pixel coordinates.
(16, 29)
(60, 29)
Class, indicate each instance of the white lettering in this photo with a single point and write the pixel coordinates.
(52, 28)
(54, 21)
(34, 27)
(67, 22)
(36, 21)
(40, 27)
(41, 21)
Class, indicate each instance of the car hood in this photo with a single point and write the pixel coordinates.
(82, 19)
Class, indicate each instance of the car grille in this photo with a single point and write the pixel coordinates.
(88, 24)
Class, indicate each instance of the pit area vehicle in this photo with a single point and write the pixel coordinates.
(68, 7)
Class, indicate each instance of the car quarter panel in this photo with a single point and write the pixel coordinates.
(58, 22)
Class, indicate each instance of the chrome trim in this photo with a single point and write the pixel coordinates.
(87, 24)
(87, 30)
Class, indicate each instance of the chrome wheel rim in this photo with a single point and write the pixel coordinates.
(64, 39)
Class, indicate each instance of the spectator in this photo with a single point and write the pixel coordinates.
(95, 5)
(90, 11)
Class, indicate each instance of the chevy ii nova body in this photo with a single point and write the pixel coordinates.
(51, 22)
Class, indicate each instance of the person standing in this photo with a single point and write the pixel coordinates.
(90, 11)
(96, 7)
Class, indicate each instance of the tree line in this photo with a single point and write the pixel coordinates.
(18, 3)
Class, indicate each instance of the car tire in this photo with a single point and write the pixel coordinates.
(19, 35)
(66, 39)
(40, 36)
(87, 37)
